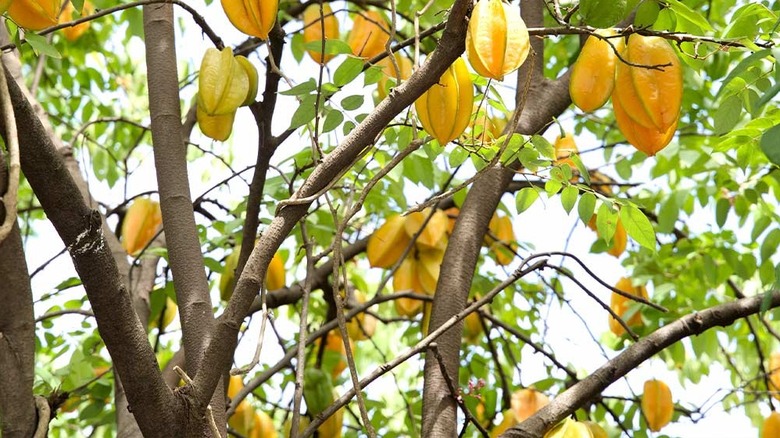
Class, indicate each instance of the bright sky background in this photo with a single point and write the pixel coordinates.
(545, 226)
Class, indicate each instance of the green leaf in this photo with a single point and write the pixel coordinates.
(302, 88)
(586, 206)
(552, 187)
(40, 46)
(722, 211)
(727, 114)
(525, 198)
(647, 13)
(606, 222)
(569, 198)
(458, 156)
(768, 95)
(351, 103)
(770, 144)
(581, 167)
(638, 226)
(668, 215)
(332, 47)
(332, 120)
(347, 71)
(544, 147)
(305, 112)
(690, 17)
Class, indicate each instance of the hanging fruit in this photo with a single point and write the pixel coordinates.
(657, 405)
(445, 109)
(251, 74)
(362, 326)
(369, 34)
(526, 402)
(595, 429)
(771, 427)
(773, 368)
(389, 72)
(388, 243)
(565, 147)
(33, 14)
(647, 99)
(74, 32)
(593, 74)
(243, 418)
(140, 224)
(569, 428)
(274, 277)
(434, 235)
(253, 17)
(4, 4)
(620, 304)
(168, 315)
(497, 40)
(507, 421)
(263, 426)
(223, 83)
(319, 25)
(501, 228)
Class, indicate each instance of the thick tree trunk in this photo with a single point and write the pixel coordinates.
(17, 334)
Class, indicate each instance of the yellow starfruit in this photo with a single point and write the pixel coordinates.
(253, 17)
(319, 25)
(657, 404)
(445, 109)
(140, 224)
(593, 74)
(369, 34)
(34, 14)
(620, 304)
(74, 32)
(497, 40)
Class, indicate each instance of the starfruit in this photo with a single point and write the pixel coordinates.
(595, 429)
(223, 84)
(648, 94)
(445, 109)
(253, 17)
(773, 368)
(569, 428)
(593, 74)
(335, 357)
(34, 14)
(483, 128)
(500, 228)
(362, 325)
(771, 427)
(619, 239)
(263, 426)
(251, 74)
(386, 244)
(274, 276)
(497, 41)
(620, 304)
(243, 418)
(217, 127)
(389, 71)
(319, 25)
(434, 235)
(657, 405)
(507, 421)
(369, 34)
(140, 224)
(526, 402)
(428, 269)
(452, 215)
(406, 278)
(565, 147)
(73, 33)
(472, 328)
(4, 4)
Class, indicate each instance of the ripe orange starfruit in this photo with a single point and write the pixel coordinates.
(497, 40)
(4, 4)
(525, 403)
(319, 25)
(619, 304)
(657, 404)
(434, 235)
(501, 228)
(253, 17)
(593, 74)
(140, 224)
(386, 244)
(771, 427)
(263, 426)
(648, 94)
(369, 34)
(74, 32)
(34, 14)
(445, 109)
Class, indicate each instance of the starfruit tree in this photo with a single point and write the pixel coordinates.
(389, 218)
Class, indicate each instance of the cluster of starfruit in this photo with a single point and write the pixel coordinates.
(40, 14)
(226, 82)
(646, 88)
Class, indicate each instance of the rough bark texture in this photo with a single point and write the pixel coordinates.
(184, 252)
(17, 334)
(545, 100)
(585, 390)
(81, 230)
